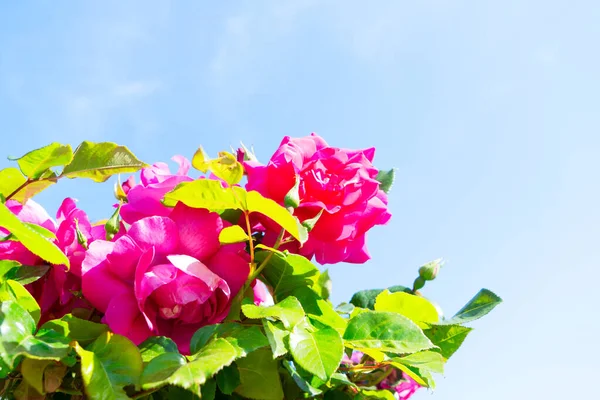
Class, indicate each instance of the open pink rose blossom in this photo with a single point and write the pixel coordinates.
(169, 275)
(56, 291)
(339, 182)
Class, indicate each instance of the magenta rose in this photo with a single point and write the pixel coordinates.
(340, 182)
(401, 383)
(56, 292)
(145, 198)
(169, 276)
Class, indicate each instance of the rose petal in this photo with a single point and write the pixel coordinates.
(157, 232)
(124, 318)
(198, 231)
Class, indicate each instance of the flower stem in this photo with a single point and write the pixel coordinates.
(263, 264)
(251, 241)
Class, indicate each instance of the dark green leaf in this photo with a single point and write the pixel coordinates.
(109, 364)
(385, 331)
(447, 337)
(209, 390)
(36, 162)
(300, 381)
(483, 302)
(24, 274)
(386, 179)
(155, 346)
(317, 351)
(287, 273)
(99, 161)
(259, 376)
(289, 311)
(228, 379)
(160, 368)
(31, 239)
(366, 298)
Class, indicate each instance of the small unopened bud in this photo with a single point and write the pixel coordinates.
(292, 198)
(81, 239)
(430, 270)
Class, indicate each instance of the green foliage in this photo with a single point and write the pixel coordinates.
(259, 376)
(366, 298)
(99, 161)
(318, 351)
(31, 239)
(35, 163)
(416, 308)
(386, 179)
(385, 331)
(24, 274)
(447, 337)
(233, 234)
(483, 302)
(286, 273)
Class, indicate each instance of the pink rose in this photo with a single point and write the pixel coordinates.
(262, 294)
(56, 292)
(145, 199)
(404, 387)
(168, 276)
(338, 181)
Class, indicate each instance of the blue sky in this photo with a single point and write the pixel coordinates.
(489, 111)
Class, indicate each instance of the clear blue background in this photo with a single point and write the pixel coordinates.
(489, 110)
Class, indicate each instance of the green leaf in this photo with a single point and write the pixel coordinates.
(203, 335)
(228, 379)
(276, 334)
(300, 381)
(447, 337)
(17, 339)
(259, 376)
(206, 193)
(159, 370)
(24, 391)
(375, 394)
(366, 298)
(78, 329)
(257, 203)
(320, 310)
(227, 168)
(210, 194)
(36, 162)
(424, 360)
(11, 290)
(233, 234)
(218, 354)
(99, 161)
(201, 161)
(386, 179)
(416, 308)
(109, 364)
(10, 180)
(31, 239)
(483, 302)
(154, 346)
(24, 274)
(385, 331)
(318, 352)
(288, 311)
(287, 273)
(208, 391)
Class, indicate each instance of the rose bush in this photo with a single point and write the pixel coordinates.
(339, 183)
(204, 288)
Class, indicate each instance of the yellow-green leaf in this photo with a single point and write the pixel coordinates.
(416, 308)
